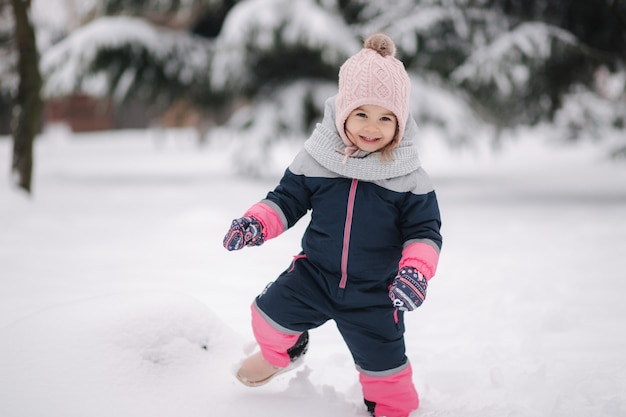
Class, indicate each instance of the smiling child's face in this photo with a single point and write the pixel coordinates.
(371, 127)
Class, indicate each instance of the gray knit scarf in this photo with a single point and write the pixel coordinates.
(325, 146)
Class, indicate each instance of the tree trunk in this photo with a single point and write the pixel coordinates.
(28, 104)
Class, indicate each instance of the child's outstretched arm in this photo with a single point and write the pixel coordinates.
(270, 217)
(260, 223)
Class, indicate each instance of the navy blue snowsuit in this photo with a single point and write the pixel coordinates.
(367, 218)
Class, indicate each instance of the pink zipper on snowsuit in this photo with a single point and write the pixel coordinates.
(346, 234)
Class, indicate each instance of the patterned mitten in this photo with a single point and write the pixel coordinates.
(245, 231)
(408, 290)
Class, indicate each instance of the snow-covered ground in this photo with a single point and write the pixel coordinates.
(117, 298)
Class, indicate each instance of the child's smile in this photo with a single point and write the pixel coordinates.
(371, 127)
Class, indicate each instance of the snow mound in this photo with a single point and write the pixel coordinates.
(114, 355)
(139, 354)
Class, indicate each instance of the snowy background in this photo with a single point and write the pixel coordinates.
(117, 298)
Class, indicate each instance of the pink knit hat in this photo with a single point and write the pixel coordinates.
(373, 76)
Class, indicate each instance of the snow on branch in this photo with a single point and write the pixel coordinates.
(69, 65)
(507, 62)
(264, 25)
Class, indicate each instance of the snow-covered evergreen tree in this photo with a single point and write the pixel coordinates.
(503, 62)
(127, 57)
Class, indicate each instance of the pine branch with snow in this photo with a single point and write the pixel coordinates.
(119, 56)
(509, 74)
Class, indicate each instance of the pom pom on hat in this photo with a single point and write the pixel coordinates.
(373, 76)
(380, 43)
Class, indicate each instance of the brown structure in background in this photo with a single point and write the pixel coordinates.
(81, 113)
(84, 113)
